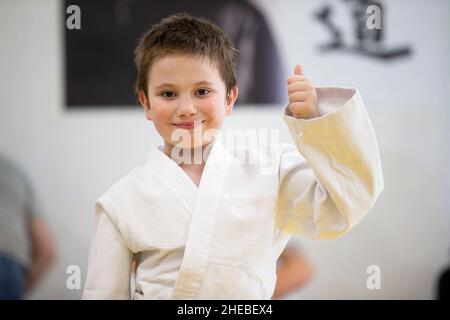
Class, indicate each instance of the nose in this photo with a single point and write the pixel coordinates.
(186, 107)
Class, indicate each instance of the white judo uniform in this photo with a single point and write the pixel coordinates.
(222, 239)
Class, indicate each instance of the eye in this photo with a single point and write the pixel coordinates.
(167, 94)
(203, 92)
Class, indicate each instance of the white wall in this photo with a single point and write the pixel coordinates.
(73, 157)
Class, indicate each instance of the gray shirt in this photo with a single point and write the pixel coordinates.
(16, 209)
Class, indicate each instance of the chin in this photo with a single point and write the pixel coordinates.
(189, 139)
(193, 144)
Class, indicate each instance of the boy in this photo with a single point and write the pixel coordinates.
(199, 222)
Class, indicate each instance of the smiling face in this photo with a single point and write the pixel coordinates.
(186, 97)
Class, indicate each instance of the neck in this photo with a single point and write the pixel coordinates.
(188, 156)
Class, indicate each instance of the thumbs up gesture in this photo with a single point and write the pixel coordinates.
(302, 95)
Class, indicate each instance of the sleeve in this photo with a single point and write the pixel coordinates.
(331, 177)
(109, 266)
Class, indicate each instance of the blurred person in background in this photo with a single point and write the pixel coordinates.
(293, 272)
(443, 284)
(26, 246)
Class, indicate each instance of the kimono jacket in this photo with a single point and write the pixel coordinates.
(221, 240)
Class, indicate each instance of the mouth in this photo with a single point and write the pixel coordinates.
(188, 124)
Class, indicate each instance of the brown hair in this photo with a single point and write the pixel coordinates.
(185, 34)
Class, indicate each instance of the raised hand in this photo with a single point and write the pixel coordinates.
(302, 95)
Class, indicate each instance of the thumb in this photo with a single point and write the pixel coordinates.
(298, 70)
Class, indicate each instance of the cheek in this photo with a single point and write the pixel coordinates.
(161, 114)
(214, 108)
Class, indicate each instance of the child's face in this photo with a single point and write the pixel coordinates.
(186, 94)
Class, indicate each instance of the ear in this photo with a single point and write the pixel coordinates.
(231, 99)
(145, 105)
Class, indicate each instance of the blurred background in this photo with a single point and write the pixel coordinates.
(72, 138)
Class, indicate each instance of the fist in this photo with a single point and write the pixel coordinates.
(302, 95)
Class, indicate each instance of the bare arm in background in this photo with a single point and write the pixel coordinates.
(293, 273)
(43, 252)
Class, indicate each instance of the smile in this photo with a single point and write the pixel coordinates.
(188, 124)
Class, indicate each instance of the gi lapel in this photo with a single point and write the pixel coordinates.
(170, 174)
(196, 253)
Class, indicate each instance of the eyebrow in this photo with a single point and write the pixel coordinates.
(172, 85)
